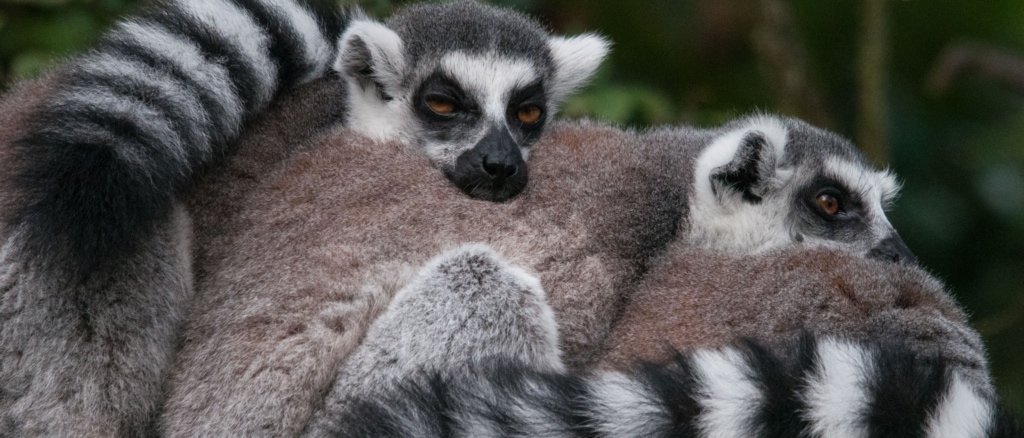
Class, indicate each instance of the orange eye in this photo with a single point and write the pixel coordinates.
(441, 106)
(829, 204)
(529, 114)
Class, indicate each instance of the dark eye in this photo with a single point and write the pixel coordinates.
(829, 203)
(529, 114)
(441, 106)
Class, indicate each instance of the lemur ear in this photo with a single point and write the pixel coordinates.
(576, 59)
(371, 53)
(751, 169)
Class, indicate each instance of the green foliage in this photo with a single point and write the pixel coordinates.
(960, 150)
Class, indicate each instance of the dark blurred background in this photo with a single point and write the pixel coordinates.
(933, 89)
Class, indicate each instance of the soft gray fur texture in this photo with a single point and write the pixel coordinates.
(467, 350)
(95, 268)
(460, 301)
(318, 245)
(483, 63)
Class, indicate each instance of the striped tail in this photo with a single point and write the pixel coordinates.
(137, 119)
(813, 388)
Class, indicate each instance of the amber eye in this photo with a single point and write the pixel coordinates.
(529, 114)
(828, 203)
(441, 106)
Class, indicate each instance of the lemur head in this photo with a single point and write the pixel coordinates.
(471, 86)
(765, 182)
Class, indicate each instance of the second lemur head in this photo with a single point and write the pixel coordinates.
(469, 85)
(764, 182)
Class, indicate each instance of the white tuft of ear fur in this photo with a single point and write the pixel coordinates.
(369, 48)
(576, 59)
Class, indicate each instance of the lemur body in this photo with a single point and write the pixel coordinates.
(96, 236)
(467, 349)
(293, 290)
(442, 103)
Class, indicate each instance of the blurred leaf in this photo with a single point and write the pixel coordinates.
(30, 64)
(623, 104)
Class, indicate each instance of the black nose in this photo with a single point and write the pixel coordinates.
(493, 169)
(892, 249)
(500, 166)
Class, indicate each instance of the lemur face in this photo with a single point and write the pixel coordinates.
(477, 117)
(470, 86)
(768, 182)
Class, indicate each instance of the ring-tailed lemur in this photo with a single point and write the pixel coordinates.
(467, 100)
(291, 290)
(766, 182)
(468, 349)
(469, 85)
(97, 156)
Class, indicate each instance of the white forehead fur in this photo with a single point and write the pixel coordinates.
(489, 78)
(875, 187)
(576, 59)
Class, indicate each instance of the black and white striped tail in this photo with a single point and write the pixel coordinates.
(814, 389)
(141, 115)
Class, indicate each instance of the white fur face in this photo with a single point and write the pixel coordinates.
(475, 114)
(774, 182)
(489, 88)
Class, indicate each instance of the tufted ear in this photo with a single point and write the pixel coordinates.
(576, 59)
(372, 54)
(751, 169)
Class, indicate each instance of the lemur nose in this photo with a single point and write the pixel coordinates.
(499, 168)
(892, 249)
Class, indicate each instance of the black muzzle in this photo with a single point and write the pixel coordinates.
(494, 170)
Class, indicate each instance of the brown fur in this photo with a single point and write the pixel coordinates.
(268, 142)
(318, 248)
(700, 298)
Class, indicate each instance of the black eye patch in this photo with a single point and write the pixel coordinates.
(532, 94)
(440, 87)
(819, 196)
(523, 101)
(827, 209)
